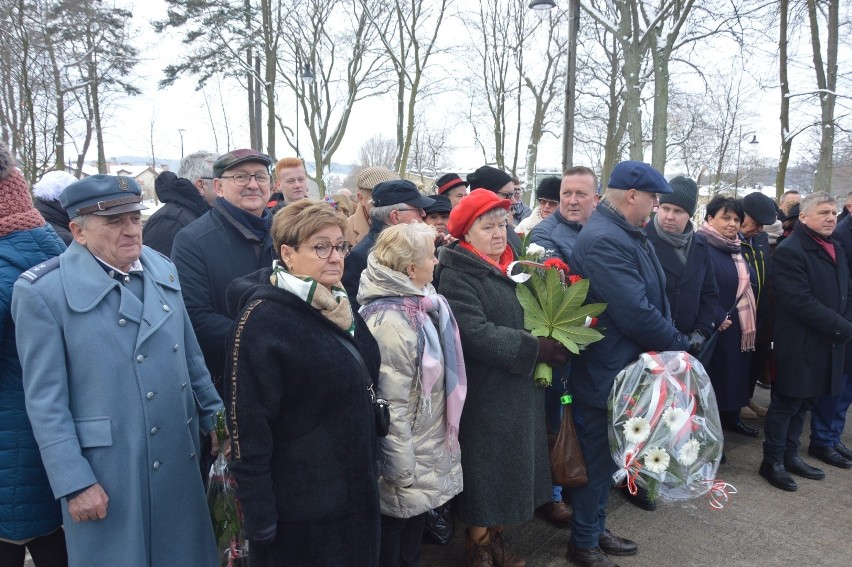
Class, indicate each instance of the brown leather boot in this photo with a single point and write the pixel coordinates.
(502, 556)
(477, 553)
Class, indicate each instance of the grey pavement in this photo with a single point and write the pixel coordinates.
(760, 526)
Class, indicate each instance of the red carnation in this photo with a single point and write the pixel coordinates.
(574, 278)
(558, 264)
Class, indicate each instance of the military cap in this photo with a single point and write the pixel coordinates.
(102, 195)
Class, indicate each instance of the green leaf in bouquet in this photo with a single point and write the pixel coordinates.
(572, 299)
(533, 314)
(542, 331)
(566, 341)
(578, 316)
(580, 335)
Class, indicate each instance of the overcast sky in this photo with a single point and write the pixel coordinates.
(181, 107)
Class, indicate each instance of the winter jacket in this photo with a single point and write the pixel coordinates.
(27, 506)
(356, 262)
(120, 400)
(623, 272)
(843, 236)
(210, 253)
(55, 216)
(690, 288)
(183, 204)
(813, 316)
(519, 212)
(502, 432)
(303, 431)
(557, 236)
(418, 471)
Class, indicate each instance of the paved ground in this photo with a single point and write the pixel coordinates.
(761, 526)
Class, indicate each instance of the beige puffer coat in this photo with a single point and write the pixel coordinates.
(418, 471)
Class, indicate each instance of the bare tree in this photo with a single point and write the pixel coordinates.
(430, 150)
(378, 150)
(826, 80)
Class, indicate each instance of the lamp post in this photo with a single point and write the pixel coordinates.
(307, 77)
(739, 147)
(181, 131)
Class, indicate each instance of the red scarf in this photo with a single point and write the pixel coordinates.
(506, 258)
(826, 245)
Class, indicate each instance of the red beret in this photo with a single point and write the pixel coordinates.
(471, 207)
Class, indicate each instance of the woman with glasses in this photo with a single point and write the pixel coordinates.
(502, 430)
(547, 196)
(423, 378)
(299, 377)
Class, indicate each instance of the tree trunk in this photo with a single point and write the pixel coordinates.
(628, 31)
(826, 82)
(786, 138)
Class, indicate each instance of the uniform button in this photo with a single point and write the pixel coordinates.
(111, 273)
(175, 348)
(192, 455)
(156, 465)
(150, 395)
(140, 358)
(126, 279)
(122, 322)
(166, 308)
(154, 430)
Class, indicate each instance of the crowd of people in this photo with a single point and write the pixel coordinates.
(370, 353)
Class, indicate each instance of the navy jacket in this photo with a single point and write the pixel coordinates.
(843, 236)
(183, 204)
(556, 235)
(624, 272)
(690, 288)
(210, 253)
(27, 506)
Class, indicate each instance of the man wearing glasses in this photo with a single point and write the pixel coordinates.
(394, 202)
(228, 242)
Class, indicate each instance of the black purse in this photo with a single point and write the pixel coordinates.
(381, 407)
(710, 344)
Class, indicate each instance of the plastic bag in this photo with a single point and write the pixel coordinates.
(225, 508)
(664, 429)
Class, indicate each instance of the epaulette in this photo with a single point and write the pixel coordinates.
(39, 270)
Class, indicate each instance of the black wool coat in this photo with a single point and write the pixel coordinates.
(183, 204)
(502, 432)
(690, 288)
(843, 236)
(303, 431)
(813, 316)
(54, 215)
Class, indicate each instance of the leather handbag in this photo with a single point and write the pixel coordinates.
(567, 465)
(381, 407)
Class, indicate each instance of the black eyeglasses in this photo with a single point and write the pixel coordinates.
(415, 209)
(547, 203)
(244, 178)
(323, 250)
(506, 195)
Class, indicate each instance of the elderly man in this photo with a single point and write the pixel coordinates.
(813, 323)
(358, 224)
(452, 187)
(558, 232)
(198, 168)
(394, 202)
(227, 242)
(291, 183)
(624, 272)
(116, 388)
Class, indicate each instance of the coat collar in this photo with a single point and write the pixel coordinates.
(86, 283)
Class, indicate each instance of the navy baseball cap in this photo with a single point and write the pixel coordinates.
(638, 175)
(399, 191)
(237, 157)
(102, 195)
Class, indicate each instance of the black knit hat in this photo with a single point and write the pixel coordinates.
(684, 194)
(487, 177)
(548, 188)
(760, 207)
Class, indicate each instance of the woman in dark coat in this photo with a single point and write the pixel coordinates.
(301, 417)
(735, 314)
(502, 430)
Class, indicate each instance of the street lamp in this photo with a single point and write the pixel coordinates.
(739, 146)
(181, 131)
(542, 7)
(307, 77)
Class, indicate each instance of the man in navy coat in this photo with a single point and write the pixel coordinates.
(116, 388)
(623, 271)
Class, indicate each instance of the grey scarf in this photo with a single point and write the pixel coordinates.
(680, 242)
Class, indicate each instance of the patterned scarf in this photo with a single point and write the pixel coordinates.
(438, 350)
(332, 303)
(746, 304)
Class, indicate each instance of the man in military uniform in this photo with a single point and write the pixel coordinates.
(116, 387)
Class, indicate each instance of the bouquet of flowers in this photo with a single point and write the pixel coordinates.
(553, 302)
(664, 429)
(224, 507)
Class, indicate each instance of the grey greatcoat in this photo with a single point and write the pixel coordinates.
(502, 431)
(117, 392)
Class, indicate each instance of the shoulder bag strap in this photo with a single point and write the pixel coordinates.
(357, 356)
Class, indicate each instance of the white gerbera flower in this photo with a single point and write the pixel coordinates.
(636, 429)
(535, 251)
(674, 418)
(657, 460)
(688, 452)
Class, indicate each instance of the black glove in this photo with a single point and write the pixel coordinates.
(696, 341)
(552, 352)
